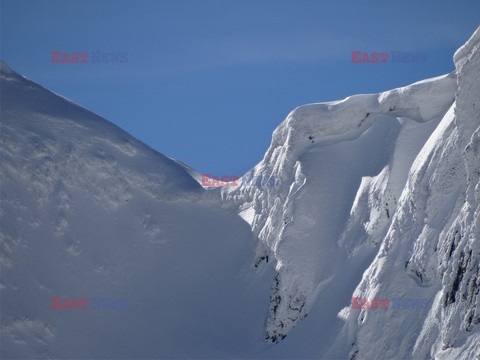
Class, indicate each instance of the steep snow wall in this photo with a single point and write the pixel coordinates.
(340, 164)
(432, 247)
(391, 175)
(89, 212)
(377, 197)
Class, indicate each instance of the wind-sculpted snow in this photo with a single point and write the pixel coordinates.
(393, 175)
(432, 246)
(87, 211)
(92, 151)
(377, 197)
(364, 176)
(332, 159)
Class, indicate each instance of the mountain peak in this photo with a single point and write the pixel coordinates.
(376, 202)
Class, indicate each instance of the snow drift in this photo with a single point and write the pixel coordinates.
(378, 197)
(87, 211)
(393, 176)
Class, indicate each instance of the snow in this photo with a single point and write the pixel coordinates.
(330, 156)
(378, 197)
(88, 211)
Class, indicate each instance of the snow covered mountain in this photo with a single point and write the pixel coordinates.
(377, 198)
(89, 212)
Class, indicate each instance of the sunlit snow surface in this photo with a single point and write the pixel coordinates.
(378, 197)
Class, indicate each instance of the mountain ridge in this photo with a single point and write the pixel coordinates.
(377, 198)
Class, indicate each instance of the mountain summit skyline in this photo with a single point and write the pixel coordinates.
(367, 247)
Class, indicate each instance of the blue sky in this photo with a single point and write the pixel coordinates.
(207, 82)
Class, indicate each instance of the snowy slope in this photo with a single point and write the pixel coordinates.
(432, 247)
(341, 164)
(87, 211)
(382, 177)
(378, 197)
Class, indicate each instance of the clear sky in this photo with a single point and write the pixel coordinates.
(207, 82)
